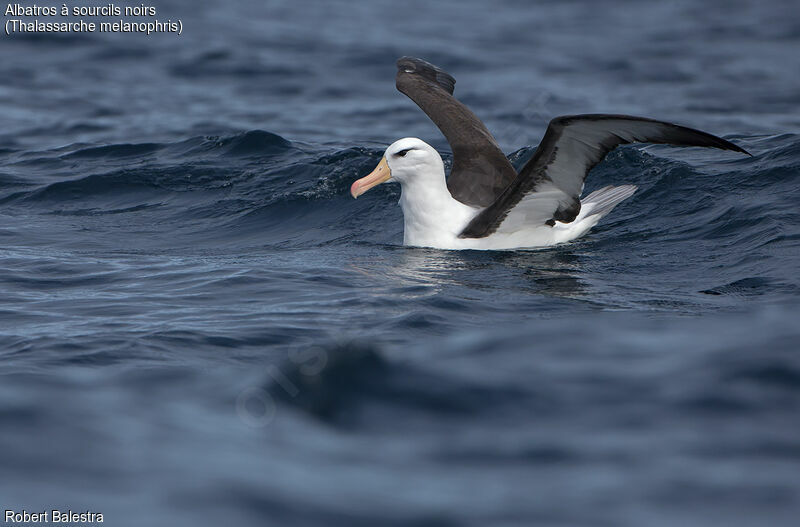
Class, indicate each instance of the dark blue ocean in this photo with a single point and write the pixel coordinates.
(199, 325)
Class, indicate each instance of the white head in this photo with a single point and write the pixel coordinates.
(406, 161)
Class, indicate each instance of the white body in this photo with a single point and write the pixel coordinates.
(423, 228)
(433, 218)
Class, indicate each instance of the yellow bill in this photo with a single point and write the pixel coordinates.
(381, 173)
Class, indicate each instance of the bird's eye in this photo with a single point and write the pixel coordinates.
(402, 153)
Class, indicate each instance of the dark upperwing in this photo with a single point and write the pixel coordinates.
(570, 148)
(480, 172)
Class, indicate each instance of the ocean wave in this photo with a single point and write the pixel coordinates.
(256, 183)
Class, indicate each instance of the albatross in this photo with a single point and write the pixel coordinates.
(485, 203)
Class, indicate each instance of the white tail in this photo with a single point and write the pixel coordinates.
(605, 199)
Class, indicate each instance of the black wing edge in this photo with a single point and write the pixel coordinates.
(428, 71)
(682, 136)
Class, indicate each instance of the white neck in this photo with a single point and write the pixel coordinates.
(431, 216)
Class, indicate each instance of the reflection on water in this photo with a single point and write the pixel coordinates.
(554, 272)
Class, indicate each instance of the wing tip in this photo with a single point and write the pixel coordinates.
(739, 149)
(431, 72)
(713, 141)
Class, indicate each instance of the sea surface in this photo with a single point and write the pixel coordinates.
(199, 325)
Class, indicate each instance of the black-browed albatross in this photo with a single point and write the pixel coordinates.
(485, 203)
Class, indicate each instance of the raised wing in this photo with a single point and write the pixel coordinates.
(550, 184)
(481, 172)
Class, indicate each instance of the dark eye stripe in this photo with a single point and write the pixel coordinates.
(402, 153)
